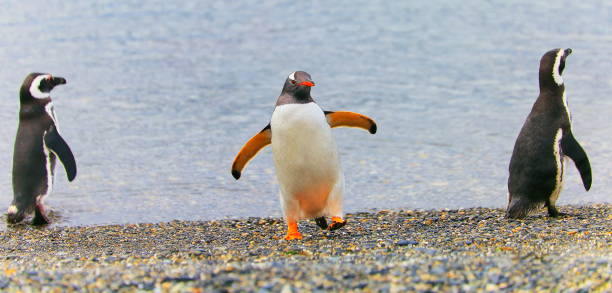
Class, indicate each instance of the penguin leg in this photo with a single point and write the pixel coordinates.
(292, 230)
(334, 206)
(552, 210)
(321, 222)
(40, 217)
(291, 210)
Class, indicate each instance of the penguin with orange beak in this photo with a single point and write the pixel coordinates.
(305, 155)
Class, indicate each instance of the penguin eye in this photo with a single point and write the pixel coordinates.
(293, 81)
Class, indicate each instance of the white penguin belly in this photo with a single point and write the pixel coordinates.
(305, 156)
(559, 161)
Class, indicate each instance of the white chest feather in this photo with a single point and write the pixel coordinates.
(48, 166)
(559, 162)
(567, 111)
(304, 149)
(49, 170)
(51, 112)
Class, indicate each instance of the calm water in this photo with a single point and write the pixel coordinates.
(161, 96)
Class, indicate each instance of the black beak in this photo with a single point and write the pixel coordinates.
(57, 80)
(567, 52)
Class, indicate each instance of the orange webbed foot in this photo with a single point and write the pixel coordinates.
(336, 224)
(296, 235)
(292, 231)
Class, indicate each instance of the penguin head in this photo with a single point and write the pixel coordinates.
(298, 84)
(39, 85)
(552, 65)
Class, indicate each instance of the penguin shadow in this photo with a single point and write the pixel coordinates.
(546, 217)
(54, 216)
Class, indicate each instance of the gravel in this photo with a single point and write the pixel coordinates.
(445, 250)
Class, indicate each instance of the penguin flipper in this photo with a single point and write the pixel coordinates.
(250, 149)
(55, 142)
(350, 119)
(572, 149)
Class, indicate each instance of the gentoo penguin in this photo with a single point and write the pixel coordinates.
(536, 166)
(305, 155)
(37, 144)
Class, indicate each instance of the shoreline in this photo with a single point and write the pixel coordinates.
(449, 250)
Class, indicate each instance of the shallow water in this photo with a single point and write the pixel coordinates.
(160, 97)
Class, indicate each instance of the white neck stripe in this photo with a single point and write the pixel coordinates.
(556, 74)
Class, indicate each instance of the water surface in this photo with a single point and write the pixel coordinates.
(162, 95)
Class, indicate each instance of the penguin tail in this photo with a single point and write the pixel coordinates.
(519, 207)
(14, 215)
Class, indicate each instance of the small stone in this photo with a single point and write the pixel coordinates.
(438, 270)
(426, 250)
(286, 289)
(146, 286)
(407, 242)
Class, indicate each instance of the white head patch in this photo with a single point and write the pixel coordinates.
(556, 75)
(35, 87)
(292, 76)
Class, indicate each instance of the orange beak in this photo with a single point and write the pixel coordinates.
(307, 83)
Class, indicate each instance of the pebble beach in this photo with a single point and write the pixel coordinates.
(473, 249)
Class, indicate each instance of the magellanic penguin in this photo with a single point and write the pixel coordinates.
(305, 155)
(37, 145)
(536, 166)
